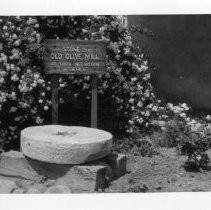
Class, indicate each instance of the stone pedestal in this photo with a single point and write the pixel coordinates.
(88, 177)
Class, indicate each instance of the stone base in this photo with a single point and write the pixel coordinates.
(78, 178)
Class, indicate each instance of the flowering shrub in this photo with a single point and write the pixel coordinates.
(25, 91)
(167, 112)
(195, 147)
(138, 147)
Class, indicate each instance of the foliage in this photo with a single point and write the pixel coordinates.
(137, 188)
(138, 147)
(172, 135)
(25, 91)
(170, 124)
(168, 112)
(191, 136)
(195, 147)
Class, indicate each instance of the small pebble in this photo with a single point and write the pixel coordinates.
(58, 189)
(60, 182)
(33, 191)
(18, 191)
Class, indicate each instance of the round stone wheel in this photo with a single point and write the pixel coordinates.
(65, 144)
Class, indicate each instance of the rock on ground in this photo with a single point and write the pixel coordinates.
(33, 190)
(7, 186)
(58, 189)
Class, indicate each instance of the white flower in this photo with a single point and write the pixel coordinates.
(14, 36)
(128, 38)
(36, 76)
(29, 71)
(139, 87)
(46, 108)
(23, 88)
(102, 29)
(117, 57)
(84, 30)
(183, 115)
(34, 84)
(130, 122)
(39, 120)
(129, 130)
(147, 114)
(40, 101)
(107, 75)
(131, 100)
(1, 80)
(14, 78)
(133, 79)
(40, 81)
(132, 94)
(33, 111)
(76, 95)
(184, 105)
(13, 109)
(187, 119)
(140, 104)
(13, 95)
(17, 119)
(208, 117)
(140, 120)
(17, 43)
(154, 108)
(12, 128)
(126, 51)
(4, 28)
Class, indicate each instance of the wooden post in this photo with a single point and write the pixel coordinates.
(94, 102)
(55, 81)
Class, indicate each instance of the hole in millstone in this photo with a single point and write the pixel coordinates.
(65, 133)
(60, 133)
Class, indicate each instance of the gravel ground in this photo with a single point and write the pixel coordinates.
(161, 173)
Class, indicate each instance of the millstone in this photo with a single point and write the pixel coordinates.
(65, 144)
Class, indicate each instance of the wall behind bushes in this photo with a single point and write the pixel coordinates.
(181, 50)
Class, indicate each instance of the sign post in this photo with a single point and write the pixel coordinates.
(55, 106)
(94, 102)
(74, 57)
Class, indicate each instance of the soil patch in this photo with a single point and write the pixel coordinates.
(161, 173)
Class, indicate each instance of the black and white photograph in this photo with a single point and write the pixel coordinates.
(105, 103)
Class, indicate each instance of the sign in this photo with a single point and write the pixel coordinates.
(74, 57)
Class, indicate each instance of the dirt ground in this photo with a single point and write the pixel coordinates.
(161, 173)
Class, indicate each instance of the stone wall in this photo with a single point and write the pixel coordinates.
(181, 50)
